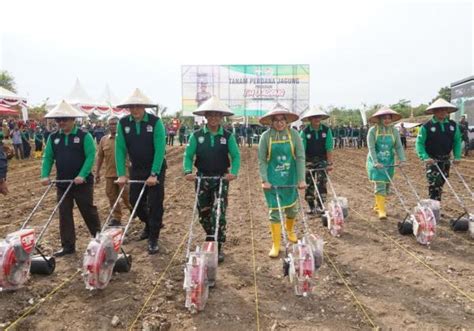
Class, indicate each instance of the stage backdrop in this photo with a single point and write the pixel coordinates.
(249, 90)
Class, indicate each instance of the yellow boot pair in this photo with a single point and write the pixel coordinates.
(380, 204)
(38, 155)
(275, 228)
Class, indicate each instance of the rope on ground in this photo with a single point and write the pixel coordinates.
(158, 283)
(354, 297)
(49, 295)
(406, 250)
(257, 314)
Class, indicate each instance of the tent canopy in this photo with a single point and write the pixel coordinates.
(8, 111)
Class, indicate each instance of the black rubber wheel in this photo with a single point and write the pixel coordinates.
(42, 265)
(405, 228)
(345, 212)
(123, 263)
(461, 225)
(324, 220)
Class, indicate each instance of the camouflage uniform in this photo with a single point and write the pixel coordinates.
(435, 179)
(320, 178)
(207, 207)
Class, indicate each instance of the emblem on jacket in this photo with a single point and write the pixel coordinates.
(308, 136)
(201, 140)
(127, 129)
(77, 140)
(433, 129)
(57, 140)
(323, 135)
(451, 128)
(149, 128)
(223, 141)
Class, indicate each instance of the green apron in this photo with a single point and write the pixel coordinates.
(384, 148)
(281, 171)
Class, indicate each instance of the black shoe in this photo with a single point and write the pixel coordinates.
(114, 222)
(65, 251)
(220, 254)
(153, 247)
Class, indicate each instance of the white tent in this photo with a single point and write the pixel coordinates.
(108, 98)
(8, 98)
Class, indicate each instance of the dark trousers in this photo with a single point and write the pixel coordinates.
(150, 208)
(404, 142)
(83, 195)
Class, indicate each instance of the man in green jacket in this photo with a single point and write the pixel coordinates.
(211, 147)
(436, 140)
(318, 144)
(141, 135)
(73, 151)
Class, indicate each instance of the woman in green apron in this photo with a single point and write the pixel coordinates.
(383, 141)
(281, 160)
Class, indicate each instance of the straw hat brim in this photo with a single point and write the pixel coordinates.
(267, 119)
(449, 109)
(203, 112)
(144, 105)
(308, 118)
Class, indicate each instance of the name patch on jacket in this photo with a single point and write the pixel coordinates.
(77, 140)
(223, 141)
(149, 128)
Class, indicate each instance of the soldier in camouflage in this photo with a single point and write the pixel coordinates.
(436, 140)
(211, 147)
(318, 144)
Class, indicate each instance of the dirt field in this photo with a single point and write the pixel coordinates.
(371, 276)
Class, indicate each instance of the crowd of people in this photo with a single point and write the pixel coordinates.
(130, 155)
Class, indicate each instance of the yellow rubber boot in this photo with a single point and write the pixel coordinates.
(275, 228)
(289, 226)
(376, 207)
(381, 206)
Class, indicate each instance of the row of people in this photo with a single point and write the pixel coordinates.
(285, 159)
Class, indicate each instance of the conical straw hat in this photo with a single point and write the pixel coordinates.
(137, 98)
(384, 111)
(314, 111)
(65, 110)
(213, 104)
(441, 104)
(278, 110)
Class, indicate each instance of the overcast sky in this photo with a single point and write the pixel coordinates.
(372, 52)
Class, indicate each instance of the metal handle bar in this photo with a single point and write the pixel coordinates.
(452, 189)
(36, 206)
(134, 210)
(397, 192)
(71, 182)
(190, 237)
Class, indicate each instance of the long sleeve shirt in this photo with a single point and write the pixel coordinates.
(329, 144)
(263, 153)
(190, 151)
(421, 140)
(89, 152)
(159, 142)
